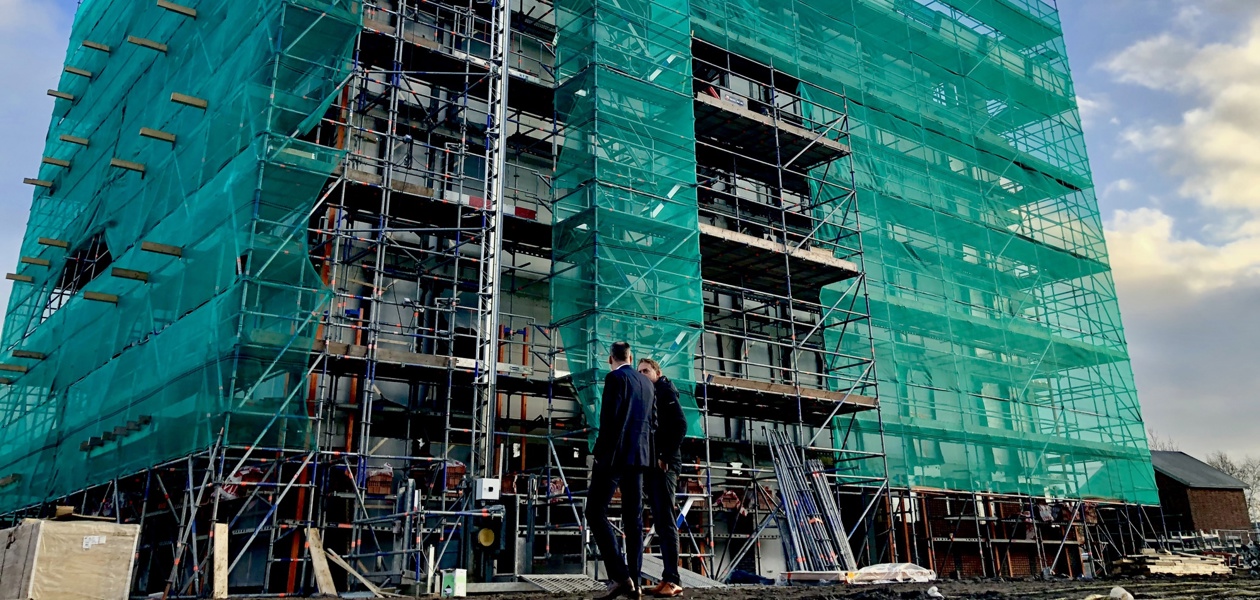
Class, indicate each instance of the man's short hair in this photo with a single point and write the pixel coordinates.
(621, 351)
(651, 363)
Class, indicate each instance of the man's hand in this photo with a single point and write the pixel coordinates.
(660, 463)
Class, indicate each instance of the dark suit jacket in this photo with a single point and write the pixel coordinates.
(671, 424)
(626, 421)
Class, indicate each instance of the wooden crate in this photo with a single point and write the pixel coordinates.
(67, 560)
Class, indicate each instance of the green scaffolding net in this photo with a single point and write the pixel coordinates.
(165, 300)
(1001, 357)
(626, 260)
(1002, 361)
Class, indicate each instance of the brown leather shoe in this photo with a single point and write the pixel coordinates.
(667, 590)
(655, 589)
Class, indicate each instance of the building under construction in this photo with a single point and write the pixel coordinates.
(339, 277)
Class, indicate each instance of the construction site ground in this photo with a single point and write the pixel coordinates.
(1163, 589)
(1150, 588)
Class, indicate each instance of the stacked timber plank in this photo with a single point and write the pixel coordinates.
(1150, 562)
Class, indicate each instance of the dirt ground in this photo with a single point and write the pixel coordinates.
(1152, 589)
(1161, 589)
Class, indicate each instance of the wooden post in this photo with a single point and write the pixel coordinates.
(319, 563)
(157, 134)
(340, 562)
(166, 249)
(126, 164)
(100, 297)
(147, 43)
(187, 100)
(221, 560)
(178, 8)
(129, 274)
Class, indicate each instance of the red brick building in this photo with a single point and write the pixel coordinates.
(1196, 496)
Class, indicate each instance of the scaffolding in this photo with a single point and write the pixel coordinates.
(354, 267)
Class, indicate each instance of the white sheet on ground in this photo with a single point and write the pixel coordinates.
(894, 573)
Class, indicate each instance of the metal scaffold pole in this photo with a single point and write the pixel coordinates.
(489, 285)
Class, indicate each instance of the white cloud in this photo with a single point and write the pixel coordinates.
(1147, 255)
(1215, 147)
(1119, 186)
(1159, 62)
(1190, 12)
(1092, 108)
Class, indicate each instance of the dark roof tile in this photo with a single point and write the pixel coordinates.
(1192, 472)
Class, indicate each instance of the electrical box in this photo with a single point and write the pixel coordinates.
(487, 489)
(454, 583)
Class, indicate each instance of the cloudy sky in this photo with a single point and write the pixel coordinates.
(1170, 91)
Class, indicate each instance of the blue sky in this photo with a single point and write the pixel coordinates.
(1170, 92)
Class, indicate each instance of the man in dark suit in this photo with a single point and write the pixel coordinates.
(623, 451)
(662, 479)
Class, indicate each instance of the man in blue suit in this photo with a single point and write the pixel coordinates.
(623, 451)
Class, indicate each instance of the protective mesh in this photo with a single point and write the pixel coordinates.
(626, 234)
(218, 338)
(1002, 361)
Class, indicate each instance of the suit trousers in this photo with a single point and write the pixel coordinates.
(662, 488)
(605, 481)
